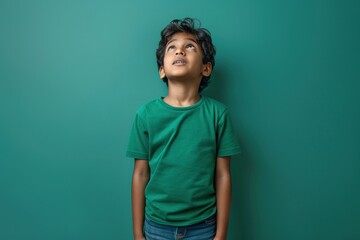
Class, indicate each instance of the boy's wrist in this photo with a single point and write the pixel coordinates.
(139, 236)
(218, 237)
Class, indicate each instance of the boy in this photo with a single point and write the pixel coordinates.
(182, 143)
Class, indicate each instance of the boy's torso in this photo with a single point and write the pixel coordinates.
(182, 156)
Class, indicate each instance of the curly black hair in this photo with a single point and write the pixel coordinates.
(202, 35)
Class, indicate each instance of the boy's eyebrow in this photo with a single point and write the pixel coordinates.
(190, 39)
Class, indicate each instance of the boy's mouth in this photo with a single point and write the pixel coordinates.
(179, 62)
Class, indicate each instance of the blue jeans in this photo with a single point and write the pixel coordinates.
(201, 231)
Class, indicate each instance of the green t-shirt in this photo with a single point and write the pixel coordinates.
(181, 145)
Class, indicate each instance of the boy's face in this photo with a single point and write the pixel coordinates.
(183, 59)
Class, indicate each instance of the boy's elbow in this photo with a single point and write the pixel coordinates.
(223, 167)
(141, 170)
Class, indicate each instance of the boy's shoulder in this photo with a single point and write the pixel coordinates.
(215, 102)
(215, 105)
(148, 106)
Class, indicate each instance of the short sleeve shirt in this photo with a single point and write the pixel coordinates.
(181, 145)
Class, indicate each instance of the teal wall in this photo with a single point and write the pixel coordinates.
(72, 74)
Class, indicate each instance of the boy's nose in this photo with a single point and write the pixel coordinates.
(179, 51)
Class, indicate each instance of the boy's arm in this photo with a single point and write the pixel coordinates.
(223, 196)
(139, 180)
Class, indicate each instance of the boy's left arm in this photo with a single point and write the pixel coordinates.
(223, 196)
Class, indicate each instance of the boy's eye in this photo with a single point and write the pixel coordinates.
(190, 46)
(171, 47)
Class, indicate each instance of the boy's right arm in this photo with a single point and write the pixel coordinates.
(139, 180)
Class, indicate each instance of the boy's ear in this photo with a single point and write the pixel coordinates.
(207, 69)
(162, 72)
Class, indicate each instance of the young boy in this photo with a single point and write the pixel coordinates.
(182, 143)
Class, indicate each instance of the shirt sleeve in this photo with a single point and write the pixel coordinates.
(227, 142)
(138, 146)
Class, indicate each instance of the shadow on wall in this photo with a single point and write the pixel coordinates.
(218, 84)
(240, 224)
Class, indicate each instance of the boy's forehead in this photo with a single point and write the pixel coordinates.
(182, 36)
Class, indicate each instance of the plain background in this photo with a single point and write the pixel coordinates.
(73, 73)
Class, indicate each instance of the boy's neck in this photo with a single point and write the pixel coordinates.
(180, 95)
